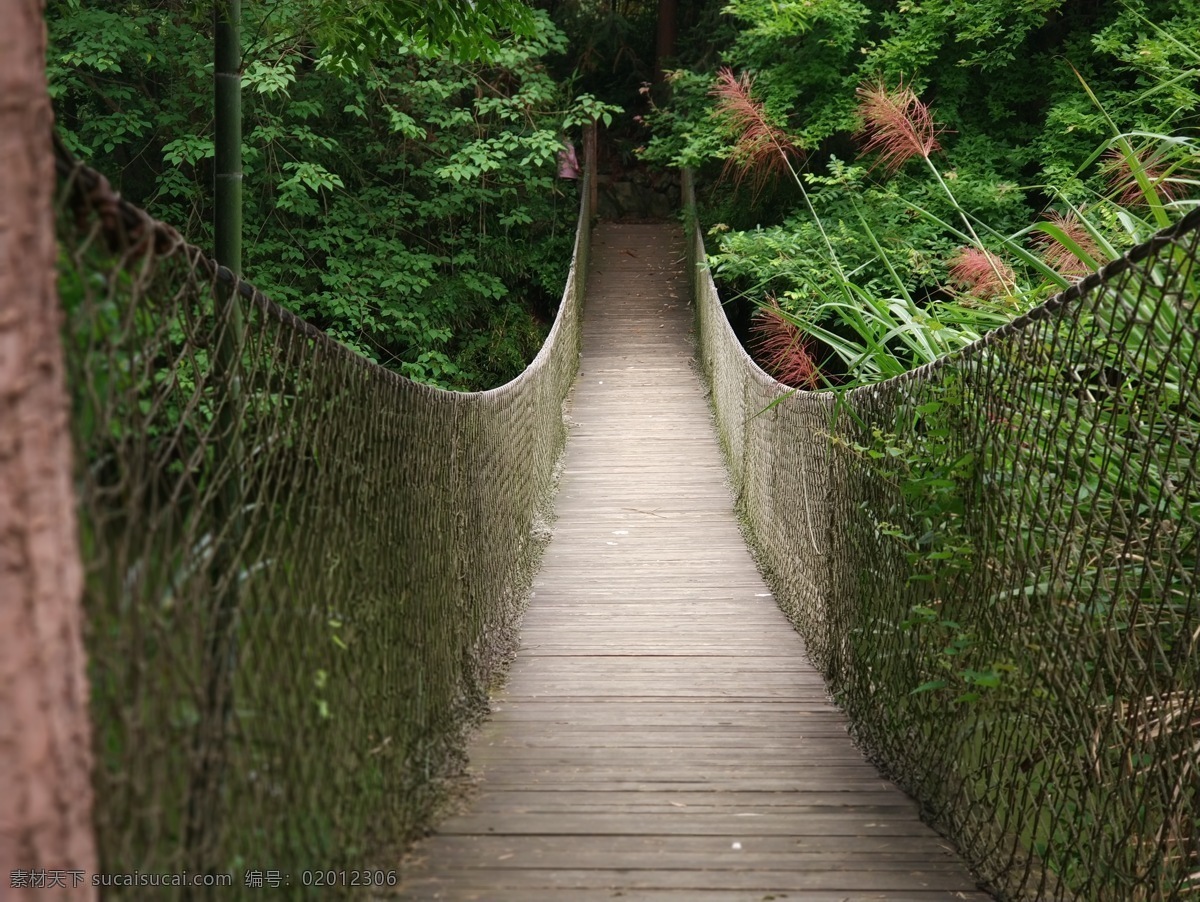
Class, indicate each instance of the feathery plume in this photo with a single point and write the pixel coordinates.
(1124, 183)
(1057, 254)
(762, 148)
(783, 348)
(896, 123)
(978, 273)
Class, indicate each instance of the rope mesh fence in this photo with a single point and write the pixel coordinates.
(994, 561)
(302, 569)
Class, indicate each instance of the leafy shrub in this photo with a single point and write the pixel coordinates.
(404, 202)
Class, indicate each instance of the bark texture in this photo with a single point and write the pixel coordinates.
(45, 739)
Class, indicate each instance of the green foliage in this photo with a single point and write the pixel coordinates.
(355, 34)
(683, 131)
(402, 199)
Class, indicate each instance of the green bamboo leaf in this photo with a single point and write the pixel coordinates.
(929, 686)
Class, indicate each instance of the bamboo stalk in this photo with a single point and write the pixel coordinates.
(220, 658)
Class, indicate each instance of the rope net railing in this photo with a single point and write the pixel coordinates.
(994, 560)
(302, 568)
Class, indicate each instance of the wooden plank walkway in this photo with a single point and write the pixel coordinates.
(661, 735)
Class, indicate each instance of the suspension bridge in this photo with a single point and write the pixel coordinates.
(323, 599)
(661, 733)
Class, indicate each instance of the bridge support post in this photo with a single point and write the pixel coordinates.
(590, 153)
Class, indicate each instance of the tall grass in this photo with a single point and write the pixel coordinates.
(879, 331)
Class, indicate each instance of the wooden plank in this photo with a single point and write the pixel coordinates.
(767, 779)
(793, 747)
(686, 881)
(661, 735)
(737, 825)
(580, 799)
(827, 862)
(809, 848)
(432, 891)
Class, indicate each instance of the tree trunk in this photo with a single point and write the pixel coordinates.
(45, 737)
(668, 30)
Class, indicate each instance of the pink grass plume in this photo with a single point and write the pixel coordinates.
(761, 147)
(896, 124)
(1061, 258)
(979, 273)
(783, 348)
